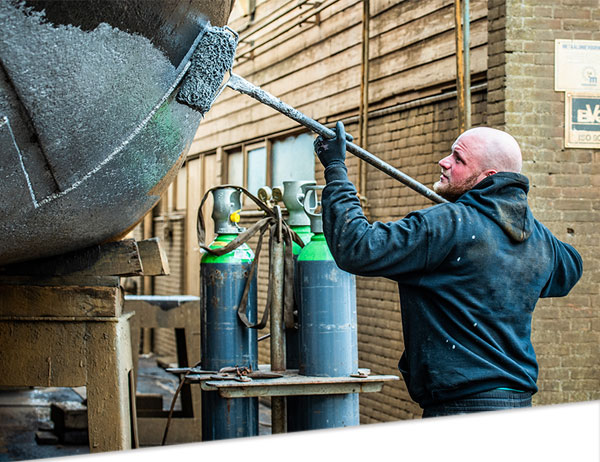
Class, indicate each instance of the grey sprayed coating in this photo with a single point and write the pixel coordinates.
(41, 68)
(90, 134)
(210, 62)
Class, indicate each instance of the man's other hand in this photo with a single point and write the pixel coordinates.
(332, 150)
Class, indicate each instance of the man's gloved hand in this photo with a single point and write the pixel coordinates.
(333, 150)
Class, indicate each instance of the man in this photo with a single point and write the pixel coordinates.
(469, 272)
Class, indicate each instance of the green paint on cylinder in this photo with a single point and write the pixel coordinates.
(304, 233)
(316, 250)
(243, 254)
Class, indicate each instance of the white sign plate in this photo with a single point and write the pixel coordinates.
(577, 65)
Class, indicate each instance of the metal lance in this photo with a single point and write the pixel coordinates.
(327, 328)
(226, 341)
(292, 194)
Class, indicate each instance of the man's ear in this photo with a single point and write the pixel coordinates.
(490, 173)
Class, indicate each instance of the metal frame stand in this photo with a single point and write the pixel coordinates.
(182, 313)
(282, 383)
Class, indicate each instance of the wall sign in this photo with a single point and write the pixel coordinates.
(577, 65)
(582, 120)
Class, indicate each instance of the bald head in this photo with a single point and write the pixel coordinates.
(493, 149)
(476, 154)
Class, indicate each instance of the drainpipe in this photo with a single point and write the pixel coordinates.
(463, 77)
(363, 120)
(467, 61)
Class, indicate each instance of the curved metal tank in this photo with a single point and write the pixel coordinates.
(90, 132)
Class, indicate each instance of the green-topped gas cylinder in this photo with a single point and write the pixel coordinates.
(304, 233)
(226, 341)
(292, 194)
(327, 328)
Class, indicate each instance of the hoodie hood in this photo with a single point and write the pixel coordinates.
(503, 198)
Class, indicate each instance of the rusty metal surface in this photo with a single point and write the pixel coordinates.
(90, 132)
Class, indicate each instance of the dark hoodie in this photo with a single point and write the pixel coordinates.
(469, 275)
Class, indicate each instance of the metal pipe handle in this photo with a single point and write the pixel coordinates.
(241, 85)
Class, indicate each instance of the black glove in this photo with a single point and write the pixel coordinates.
(333, 150)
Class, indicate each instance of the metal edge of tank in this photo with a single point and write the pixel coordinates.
(112, 197)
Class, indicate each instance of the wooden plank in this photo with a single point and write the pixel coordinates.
(442, 45)
(61, 301)
(308, 67)
(425, 76)
(257, 122)
(111, 259)
(69, 280)
(409, 10)
(411, 58)
(295, 40)
(311, 45)
(304, 98)
(422, 32)
(394, 16)
(153, 257)
(295, 88)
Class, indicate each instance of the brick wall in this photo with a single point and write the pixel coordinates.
(564, 182)
(414, 141)
(564, 189)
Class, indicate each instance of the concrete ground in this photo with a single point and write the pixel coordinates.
(25, 411)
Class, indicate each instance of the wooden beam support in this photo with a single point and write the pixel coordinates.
(111, 259)
(154, 257)
(122, 258)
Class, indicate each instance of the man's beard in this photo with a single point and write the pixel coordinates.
(452, 191)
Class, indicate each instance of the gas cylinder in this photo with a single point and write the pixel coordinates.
(226, 341)
(327, 327)
(292, 194)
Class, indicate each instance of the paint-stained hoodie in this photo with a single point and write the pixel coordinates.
(469, 275)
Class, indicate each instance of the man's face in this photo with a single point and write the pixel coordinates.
(460, 170)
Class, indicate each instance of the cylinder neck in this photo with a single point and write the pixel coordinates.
(293, 198)
(226, 204)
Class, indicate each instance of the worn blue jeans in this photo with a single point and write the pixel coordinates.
(493, 400)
